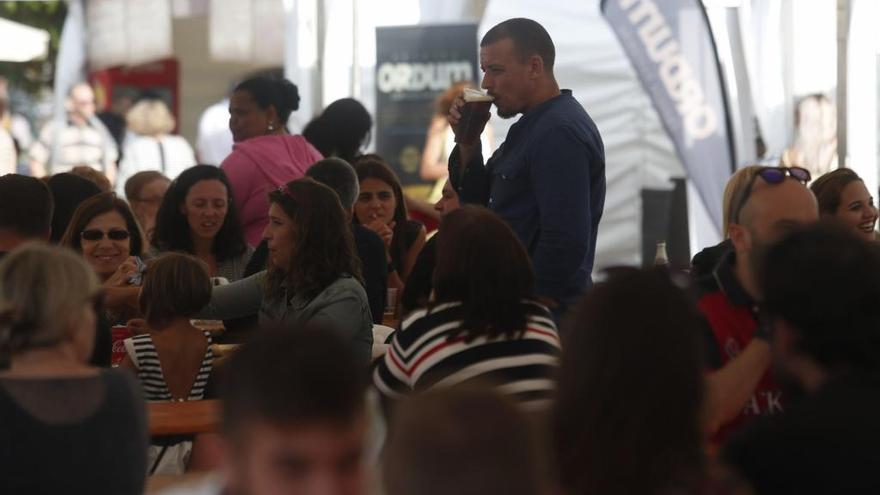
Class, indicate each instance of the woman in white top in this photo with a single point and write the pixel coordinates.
(150, 145)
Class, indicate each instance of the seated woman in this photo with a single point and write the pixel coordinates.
(103, 229)
(842, 195)
(313, 273)
(380, 207)
(482, 324)
(86, 423)
(173, 360)
(198, 217)
(144, 192)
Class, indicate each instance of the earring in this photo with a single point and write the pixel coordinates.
(271, 127)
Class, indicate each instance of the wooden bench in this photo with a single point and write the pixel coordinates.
(183, 418)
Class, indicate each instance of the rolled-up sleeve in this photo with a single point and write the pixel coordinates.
(560, 174)
(236, 300)
(473, 185)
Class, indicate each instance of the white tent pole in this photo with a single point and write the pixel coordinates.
(842, 50)
(355, 55)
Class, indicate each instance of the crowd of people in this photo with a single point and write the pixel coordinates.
(505, 369)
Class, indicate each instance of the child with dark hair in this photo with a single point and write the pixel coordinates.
(294, 417)
(627, 416)
(173, 360)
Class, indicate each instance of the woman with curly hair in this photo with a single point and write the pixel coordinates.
(198, 217)
(313, 275)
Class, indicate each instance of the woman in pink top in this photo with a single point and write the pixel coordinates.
(265, 155)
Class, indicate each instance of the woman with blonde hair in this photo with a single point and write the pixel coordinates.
(86, 423)
(151, 144)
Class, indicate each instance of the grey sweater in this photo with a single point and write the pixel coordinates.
(342, 306)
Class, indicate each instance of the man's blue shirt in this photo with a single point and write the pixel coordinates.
(547, 181)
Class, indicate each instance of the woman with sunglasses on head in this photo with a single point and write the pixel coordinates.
(380, 207)
(265, 155)
(842, 195)
(67, 427)
(104, 230)
(198, 217)
(313, 275)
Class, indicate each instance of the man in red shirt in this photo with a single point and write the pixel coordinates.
(740, 385)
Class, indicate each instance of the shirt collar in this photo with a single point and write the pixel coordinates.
(727, 282)
(543, 106)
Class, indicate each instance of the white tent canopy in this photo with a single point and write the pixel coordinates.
(21, 43)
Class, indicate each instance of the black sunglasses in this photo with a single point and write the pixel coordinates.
(97, 235)
(771, 175)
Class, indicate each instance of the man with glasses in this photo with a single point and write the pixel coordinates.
(740, 386)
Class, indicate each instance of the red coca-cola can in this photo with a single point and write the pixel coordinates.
(118, 334)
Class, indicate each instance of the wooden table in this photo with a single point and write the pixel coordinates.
(390, 320)
(180, 418)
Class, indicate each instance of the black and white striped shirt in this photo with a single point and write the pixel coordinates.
(142, 353)
(423, 356)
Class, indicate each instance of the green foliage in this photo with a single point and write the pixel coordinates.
(35, 75)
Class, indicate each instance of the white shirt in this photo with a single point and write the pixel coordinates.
(141, 153)
(214, 139)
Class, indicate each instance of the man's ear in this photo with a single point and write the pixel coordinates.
(536, 66)
(739, 236)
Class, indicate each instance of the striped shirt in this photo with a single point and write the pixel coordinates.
(423, 356)
(143, 354)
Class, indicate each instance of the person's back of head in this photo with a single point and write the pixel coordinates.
(43, 290)
(26, 208)
(821, 286)
(293, 413)
(627, 417)
(68, 191)
(176, 285)
(150, 117)
(88, 173)
(341, 129)
(481, 263)
(339, 175)
(465, 441)
(529, 38)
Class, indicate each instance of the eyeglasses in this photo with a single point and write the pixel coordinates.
(771, 175)
(97, 235)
